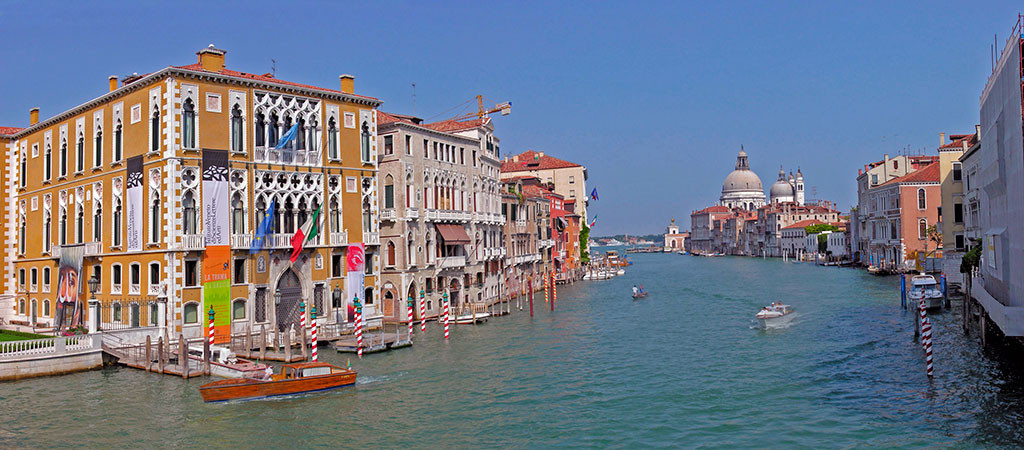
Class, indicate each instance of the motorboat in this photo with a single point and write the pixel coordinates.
(225, 364)
(774, 315)
(639, 295)
(469, 319)
(620, 272)
(293, 379)
(925, 287)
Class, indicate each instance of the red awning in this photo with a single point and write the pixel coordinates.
(452, 234)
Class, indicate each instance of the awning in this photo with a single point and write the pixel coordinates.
(452, 234)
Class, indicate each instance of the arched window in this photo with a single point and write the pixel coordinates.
(23, 178)
(97, 151)
(154, 274)
(118, 143)
(188, 124)
(21, 306)
(236, 129)
(367, 219)
(238, 309)
(115, 310)
(80, 226)
(300, 135)
(921, 200)
(389, 192)
(22, 236)
(332, 139)
(311, 139)
(63, 158)
(238, 214)
(46, 307)
(335, 215)
(80, 153)
(47, 163)
(272, 127)
(188, 206)
(154, 128)
(154, 217)
(261, 129)
(115, 238)
(922, 229)
(97, 223)
(364, 139)
(190, 313)
(63, 226)
(289, 216)
(391, 253)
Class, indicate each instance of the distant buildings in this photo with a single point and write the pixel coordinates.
(674, 240)
(566, 178)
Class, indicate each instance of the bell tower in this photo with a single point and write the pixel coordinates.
(799, 187)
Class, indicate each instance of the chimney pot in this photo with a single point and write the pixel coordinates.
(977, 131)
(33, 116)
(211, 58)
(885, 156)
(112, 81)
(348, 83)
(942, 139)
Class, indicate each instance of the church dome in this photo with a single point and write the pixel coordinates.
(741, 180)
(781, 189)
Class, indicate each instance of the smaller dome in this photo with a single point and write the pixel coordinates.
(781, 189)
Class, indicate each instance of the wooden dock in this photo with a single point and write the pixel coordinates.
(374, 342)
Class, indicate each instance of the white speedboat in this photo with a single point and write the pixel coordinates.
(225, 364)
(621, 271)
(774, 315)
(469, 319)
(925, 287)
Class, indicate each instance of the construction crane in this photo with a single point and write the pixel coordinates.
(481, 112)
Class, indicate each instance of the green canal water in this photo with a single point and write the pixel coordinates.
(682, 367)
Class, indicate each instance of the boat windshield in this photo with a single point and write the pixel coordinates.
(314, 371)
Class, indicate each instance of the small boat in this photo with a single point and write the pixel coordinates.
(294, 379)
(773, 315)
(225, 364)
(469, 319)
(620, 272)
(924, 287)
(639, 295)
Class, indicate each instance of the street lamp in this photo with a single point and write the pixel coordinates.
(94, 285)
(277, 298)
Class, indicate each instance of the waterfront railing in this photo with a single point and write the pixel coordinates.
(63, 345)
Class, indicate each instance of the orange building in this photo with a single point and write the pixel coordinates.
(120, 185)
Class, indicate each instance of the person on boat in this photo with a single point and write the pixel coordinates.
(635, 290)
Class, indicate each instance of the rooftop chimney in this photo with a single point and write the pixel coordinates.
(977, 131)
(112, 81)
(348, 83)
(33, 116)
(942, 139)
(211, 58)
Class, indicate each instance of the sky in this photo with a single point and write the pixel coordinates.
(654, 98)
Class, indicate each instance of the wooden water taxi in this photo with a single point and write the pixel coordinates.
(293, 379)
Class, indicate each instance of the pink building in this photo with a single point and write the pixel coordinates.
(902, 209)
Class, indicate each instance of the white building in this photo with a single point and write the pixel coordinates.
(742, 187)
(838, 245)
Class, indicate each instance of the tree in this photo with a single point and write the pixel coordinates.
(584, 238)
(933, 235)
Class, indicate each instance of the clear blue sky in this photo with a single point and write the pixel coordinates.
(654, 98)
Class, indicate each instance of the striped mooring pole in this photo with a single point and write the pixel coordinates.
(409, 306)
(211, 326)
(359, 326)
(423, 312)
(312, 324)
(926, 337)
(554, 291)
(547, 290)
(302, 316)
(444, 300)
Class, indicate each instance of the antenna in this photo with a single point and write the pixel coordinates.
(414, 99)
(273, 67)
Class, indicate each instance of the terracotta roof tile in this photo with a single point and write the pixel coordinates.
(957, 140)
(448, 126)
(263, 78)
(7, 131)
(531, 160)
(713, 209)
(927, 174)
(803, 224)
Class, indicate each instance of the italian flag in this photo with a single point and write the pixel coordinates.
(305, 233)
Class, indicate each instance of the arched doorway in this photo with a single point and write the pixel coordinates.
(453, 292)
(34, 312)
(415, 300)
(287, 311)
(391, 308)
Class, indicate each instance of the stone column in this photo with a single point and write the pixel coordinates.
(161, 318)
(94, 316)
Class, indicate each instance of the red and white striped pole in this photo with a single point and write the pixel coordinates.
(423, 312)
(211, 326)
(409, 307)
(554, 291)
(359, 327)
(547, 290)
(445, 301)
(926, 335)
(302, 316)
(312, 323)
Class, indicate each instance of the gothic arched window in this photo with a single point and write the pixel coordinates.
(188, 124)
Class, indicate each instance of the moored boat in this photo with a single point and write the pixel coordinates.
(925, 287)
(225, 364)
(293, 379)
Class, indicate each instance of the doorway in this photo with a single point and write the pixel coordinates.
(291, 295)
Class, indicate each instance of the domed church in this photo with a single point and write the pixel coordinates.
(742, 188)
(788, 189)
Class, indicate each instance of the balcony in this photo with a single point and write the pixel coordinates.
(388, 214)
(339, 239)
(241, 241)
(156, 289)
(412, 213)
(190, 242)
(545, 243)
(93, 248)
(526, 259)
(371, 238)
(430, 214)
(451, 262)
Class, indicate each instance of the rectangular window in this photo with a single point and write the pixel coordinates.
(408, 145)
(572, 179)
(959, 241)
(34, 278)
(154, 274)
(957, 172)
(136, 274)
(958, 212)
(336, 265)
(462, 155)
(191, 273)
(389, 145)
(115, 275)
(239, 271)
(426, 146)
(572, 193)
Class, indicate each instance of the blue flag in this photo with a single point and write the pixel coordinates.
(593, 194)
(288, 137)
(266, 227)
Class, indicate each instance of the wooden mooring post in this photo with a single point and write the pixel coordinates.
(263, 342)
(288, 347)
(248, 341)
(160, 354)
(149, 348)
(206, 357)
(183, 355)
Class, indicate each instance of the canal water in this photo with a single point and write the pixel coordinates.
(682, 367)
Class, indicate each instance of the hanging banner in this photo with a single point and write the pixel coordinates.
(70, 309)
(355, 278)
(135, 225)
(216, 276)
